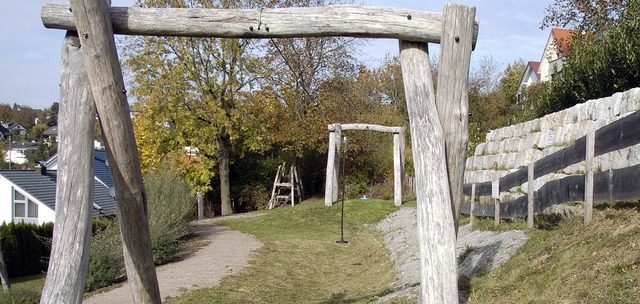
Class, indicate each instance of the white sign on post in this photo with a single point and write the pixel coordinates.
(495, 189)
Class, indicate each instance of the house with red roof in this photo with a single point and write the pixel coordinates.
(553, 57)
(552, 61)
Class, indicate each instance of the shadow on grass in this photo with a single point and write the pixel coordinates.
(625, 205)
(342, 296)
(475, 262)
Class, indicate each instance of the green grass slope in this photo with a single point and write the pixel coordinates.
(572, 263)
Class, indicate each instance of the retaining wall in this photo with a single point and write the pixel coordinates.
(508, 149)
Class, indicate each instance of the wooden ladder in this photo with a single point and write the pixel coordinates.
(286, 187)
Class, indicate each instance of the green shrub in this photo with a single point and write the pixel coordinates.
(26, 247)
(106, 263)
(20, 296)
(383, 190)
(253, 196)
(171, 208)
(355, 186)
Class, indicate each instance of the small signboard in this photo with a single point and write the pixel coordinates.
(495, 189)
(550, 137)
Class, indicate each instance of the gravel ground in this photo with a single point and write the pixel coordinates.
(486, 250)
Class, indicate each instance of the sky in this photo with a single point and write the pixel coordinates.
(30, 54)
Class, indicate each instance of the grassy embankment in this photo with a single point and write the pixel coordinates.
(569, 262)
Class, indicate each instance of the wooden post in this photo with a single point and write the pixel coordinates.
(4, 276)
(403, 147)
(200, 205)
(496, 212)
(293, 185)
(397, 170)
(436, 231)
(588, 177)
(452, 101)
(473, 204)
(331, 157)
(93, 22)
(69, 259)
(336, 161)
(530, 195)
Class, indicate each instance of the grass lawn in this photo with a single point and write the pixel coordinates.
(300, 261)
(25, 290)
(33, 282)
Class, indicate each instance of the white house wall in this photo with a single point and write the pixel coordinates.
(548, 57)
(529, 78)
(45, 214)
(6, 212)
(17, 156)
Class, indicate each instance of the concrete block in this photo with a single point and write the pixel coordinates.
(577, 168)
(529, 141)
(479, 149)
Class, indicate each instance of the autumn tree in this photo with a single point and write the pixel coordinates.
(299, 70)
(604, 57)
(187, 91)
(510, 81)
(586, 15)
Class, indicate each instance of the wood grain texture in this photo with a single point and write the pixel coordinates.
(69, 259)
(436, 231)
(588, 177)
(336, 162)
(368, 127)
(398, 157)
(452, 98)
(107, 86)
(322, 21)
(200, 199)
(397, 170)
(329, 179)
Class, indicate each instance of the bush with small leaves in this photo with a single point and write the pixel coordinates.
(171, 208)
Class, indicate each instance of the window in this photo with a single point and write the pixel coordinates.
(33, 209)
(20, 202)
(23, 208)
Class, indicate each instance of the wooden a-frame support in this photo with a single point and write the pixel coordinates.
(438, 123)
(333, 158)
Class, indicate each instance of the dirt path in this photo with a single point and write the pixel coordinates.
(229, 252)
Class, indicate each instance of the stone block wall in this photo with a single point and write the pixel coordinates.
(507, 149)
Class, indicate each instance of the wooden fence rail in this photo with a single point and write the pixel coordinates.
(610, 185)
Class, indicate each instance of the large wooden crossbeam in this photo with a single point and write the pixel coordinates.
(368, 127)
(322, 21)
